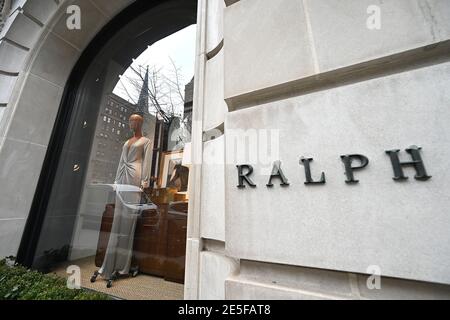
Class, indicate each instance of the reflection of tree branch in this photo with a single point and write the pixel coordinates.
(126, 91)
(176, 83)
(155, 93)
(165, 93)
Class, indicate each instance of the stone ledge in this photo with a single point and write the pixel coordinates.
(237, 289)
(272, 281)
(264, 58)
(408, 60)
(309, 281)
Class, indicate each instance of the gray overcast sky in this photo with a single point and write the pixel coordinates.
(179, 46)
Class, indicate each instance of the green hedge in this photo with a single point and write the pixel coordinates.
(19, 283)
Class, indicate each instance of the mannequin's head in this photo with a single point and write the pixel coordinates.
(136, 122)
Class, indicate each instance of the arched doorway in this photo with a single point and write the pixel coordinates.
(68, 212)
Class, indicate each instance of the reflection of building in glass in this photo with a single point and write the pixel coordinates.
(111, 133)
(188, 103)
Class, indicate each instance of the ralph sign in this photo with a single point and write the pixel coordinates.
(352, 163)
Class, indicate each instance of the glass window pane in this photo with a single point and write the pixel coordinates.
(120, 199)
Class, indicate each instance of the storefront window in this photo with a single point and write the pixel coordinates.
(118, 207)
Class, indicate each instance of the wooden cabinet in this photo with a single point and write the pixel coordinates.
(150, 241)
(176, 246)
(159, 242)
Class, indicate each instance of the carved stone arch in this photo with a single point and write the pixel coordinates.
(37, 55)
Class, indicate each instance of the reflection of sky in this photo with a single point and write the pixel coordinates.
(180, 47)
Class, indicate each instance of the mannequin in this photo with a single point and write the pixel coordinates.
(134, 170)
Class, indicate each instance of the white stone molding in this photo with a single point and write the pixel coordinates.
(194, 241)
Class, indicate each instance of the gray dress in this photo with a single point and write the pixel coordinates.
(134, 170)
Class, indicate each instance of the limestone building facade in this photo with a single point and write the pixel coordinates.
(318, 79)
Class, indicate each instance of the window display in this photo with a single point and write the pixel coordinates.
(118, 206)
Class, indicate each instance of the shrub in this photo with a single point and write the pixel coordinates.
(19, 283)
